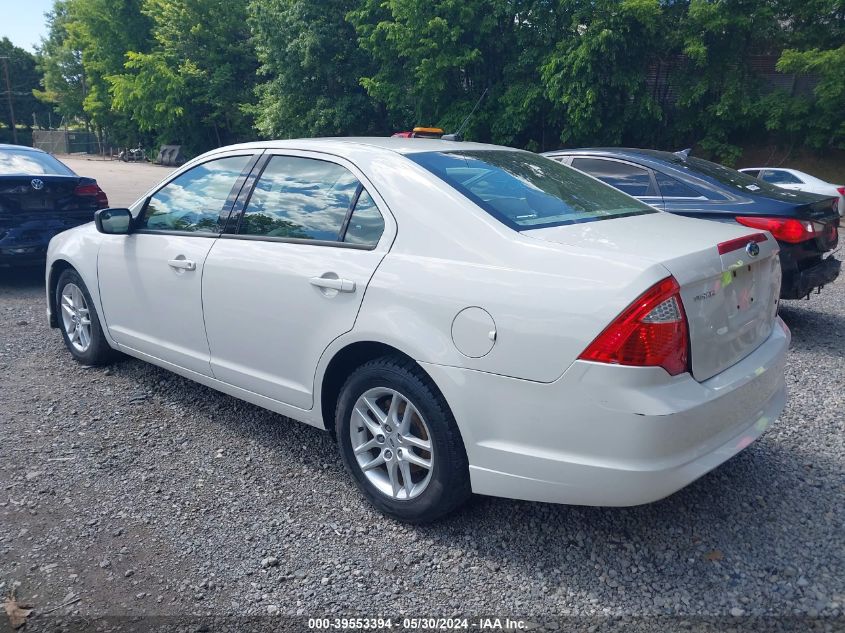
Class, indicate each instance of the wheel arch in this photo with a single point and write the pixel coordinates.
(344, 362)
(57, 267)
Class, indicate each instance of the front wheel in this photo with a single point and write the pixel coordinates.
(79, 322)
(399, 441)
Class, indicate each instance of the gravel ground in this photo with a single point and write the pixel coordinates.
(129, 490)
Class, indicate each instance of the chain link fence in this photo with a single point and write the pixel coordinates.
(68, 142)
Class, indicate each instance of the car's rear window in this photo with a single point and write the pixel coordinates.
(22, 162)
(527, 191)
(726, 176)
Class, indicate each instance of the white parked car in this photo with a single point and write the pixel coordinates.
(464, 317)
(798, 181)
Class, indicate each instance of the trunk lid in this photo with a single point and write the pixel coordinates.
(20, 198)
(730, 297)
(32, 214)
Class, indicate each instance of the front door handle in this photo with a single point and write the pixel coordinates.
(182, 264)
(333, 283)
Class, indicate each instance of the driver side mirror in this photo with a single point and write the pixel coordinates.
(113, 221)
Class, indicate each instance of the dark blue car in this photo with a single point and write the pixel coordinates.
(39, 197)
(805, 225)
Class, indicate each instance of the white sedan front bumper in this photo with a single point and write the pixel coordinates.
(609, 435)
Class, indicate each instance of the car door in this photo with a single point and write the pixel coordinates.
(290, 275)
(150, 279)
(634, 180)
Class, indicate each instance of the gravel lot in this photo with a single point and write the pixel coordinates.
(129, 490)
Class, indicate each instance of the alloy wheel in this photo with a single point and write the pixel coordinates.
(76, 318)
(392, 443)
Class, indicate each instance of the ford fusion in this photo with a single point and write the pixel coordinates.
(462, 317)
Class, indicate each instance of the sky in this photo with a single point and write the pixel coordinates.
(23, 21)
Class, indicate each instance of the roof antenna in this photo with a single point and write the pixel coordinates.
(457, 135)
(683, 154)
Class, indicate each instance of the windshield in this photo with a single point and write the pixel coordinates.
(17, 162)
(527, 191)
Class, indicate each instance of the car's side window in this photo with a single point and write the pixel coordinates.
(672, 188)
(633, 180)
(366, 223)
(197, 200)
(752, 172)
(299, 198)
(778, 177)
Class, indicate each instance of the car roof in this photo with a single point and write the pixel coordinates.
(620, 152)
(394, 144)
(20, 147)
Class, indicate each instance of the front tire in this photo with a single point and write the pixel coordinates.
(79, 321)
(399, 441)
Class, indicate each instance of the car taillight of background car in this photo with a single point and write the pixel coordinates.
(93, 190)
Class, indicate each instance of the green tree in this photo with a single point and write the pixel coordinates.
(596, 72)
(434, 60)
(87, 42)
(825, 113)
(311, 63)
(195, 85)
(60, 61)
(23, 79)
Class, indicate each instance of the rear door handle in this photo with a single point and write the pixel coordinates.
(182, 264)
(333, 283)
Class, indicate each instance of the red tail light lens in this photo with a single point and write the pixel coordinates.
(841, 191)
(784, 229)
(93, 190)
(651, 332)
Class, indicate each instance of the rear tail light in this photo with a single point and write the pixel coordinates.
(651, 332)
(841, 191)
(785, 229)
(93, 190)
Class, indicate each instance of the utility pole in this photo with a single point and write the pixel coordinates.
(9, 96)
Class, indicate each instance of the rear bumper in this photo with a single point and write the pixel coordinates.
(798, 283)
(610, 435)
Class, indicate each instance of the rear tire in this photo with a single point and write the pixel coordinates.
(79, 322)
(407, 455)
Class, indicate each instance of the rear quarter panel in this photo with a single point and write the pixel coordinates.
(547, 301)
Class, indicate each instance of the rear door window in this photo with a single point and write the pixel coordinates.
(633, 180)
(300, 198)
(366, 223)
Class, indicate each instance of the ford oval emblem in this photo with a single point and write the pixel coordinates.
(37, 184)
(752, 248)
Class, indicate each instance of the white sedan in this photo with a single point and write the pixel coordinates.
(463, 317)
(798, 181)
